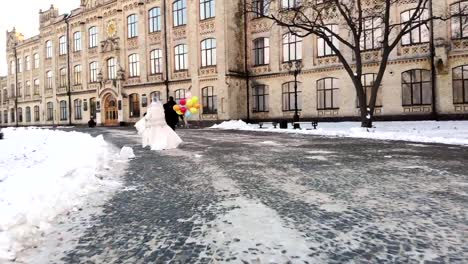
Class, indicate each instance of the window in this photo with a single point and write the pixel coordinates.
(262, 51)
(12, 67)
(417, 87)
(77, 104)
(5, 116)
(208, 52)
(27, 62)
(50, 111)
(134, 101)
(63, 110)
(418, 35)
(287, 4)
(260, 98)
(63, 77)
(180, 12)
(20, 114)
(49, 80)
(207, 9)
(178, 95)
(156, 94)
(289, 98)
(5, 95)
(92, 107)
(12, 91)
(36, 87)
(93, 37)
(460, 84)
(181, 57)
(111, 69)
(154, 15)
(209, 101)
(36, 61)
(12, 115)
(20, 65)
(367, 83)
(459, 14)
(28, 114)
(77, 41)
(323, 48)
(133, 65)
(48, 49)
(20, 89)
(132, 26)
(93, 68)
(156, 61)
(372, 36)
(27, 88)
(292, 47)
(77, 74)
(327, 94)
(62, 45)
(36, 114)
(260, 8)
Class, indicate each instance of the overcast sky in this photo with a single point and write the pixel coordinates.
(24, 15)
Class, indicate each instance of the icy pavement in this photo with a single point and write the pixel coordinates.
(243, 197)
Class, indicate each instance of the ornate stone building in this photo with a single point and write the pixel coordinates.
(108, 58)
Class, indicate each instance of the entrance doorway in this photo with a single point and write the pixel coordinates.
(111, 111)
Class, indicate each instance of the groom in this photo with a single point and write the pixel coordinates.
(172, 118)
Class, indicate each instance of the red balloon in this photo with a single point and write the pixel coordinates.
(183, 101)
(183, 109)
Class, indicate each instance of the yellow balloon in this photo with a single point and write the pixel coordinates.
(195, 99)
(197, 105)
(193, 110)
(189, 103)
(179, 113)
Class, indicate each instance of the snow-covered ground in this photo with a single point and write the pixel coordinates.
(444, 132)
(45, 174)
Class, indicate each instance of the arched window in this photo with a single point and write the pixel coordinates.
(27, 61)
(260, 98)
(36, 61)
(371, 38)
(460, 84)
(93, 72)
(260, 8)
(323, 49)
(209, 101)
(5, 116)
(5, 95)
(179, 94)
(179, 8)
(77, 41)
(134, 103)
(50, 111)
(49, 51)
(27, 88)
(77, 107)
(62, 45)
(36, 114)
(36, 87)
(20, 114)
(134, 65)
(328, 94)
(292, 47)
(289, 97)
(63, 77)
(93, 37)
(77, 74)
(416, 87)
(20, 89)
(132, 26)
(208, 52)
(155, 94)
(367, 83)
(63, 110)
(28, 114)
(12, 115)
(181, 57)
(418, 35)
(459, 20)
(154, 17)
(207, 9)
(156, 61)
(111, 69)
(20, 65)
(12, 67)
(261, 51)
(49, 80)
(92, 107)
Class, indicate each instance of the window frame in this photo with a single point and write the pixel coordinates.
(464, 84)
(181, 57)
(62, 45)
(260, 97)
(154, 19)
(134, 65)
(209, 101)
(207, 7)
(289, 94)
(77, 104)
(414, 84)
(156, 61)
(111, 64)
(49, 49)
(179, 13)
(134, 105)
(208, 52)
(63, 110)
(50, 111)
(93, 37)
(289, 42)
(132, 26)
(333, 92)
(410, 35)
(77, 42)
(261, 51)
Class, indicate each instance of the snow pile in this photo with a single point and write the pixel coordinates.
(444, 132)
(126, 153)
(45, 173)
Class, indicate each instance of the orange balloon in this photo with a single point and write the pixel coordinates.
(176, 108)
(197, 105)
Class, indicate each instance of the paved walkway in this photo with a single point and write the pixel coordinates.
(236, 197)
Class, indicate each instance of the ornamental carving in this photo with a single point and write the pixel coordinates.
(155, 78)
(208, 71)
(415, 50)
(180, 75)
(155, 38)
(371, 56)
(77, 88)
(327, 60)
(461, 108)
(179, 33)
(133, 80)
(93, 86)
(260, 25)
(207, 27)
(132, 43)
(460, 44)
(110, 44)
(261, 69)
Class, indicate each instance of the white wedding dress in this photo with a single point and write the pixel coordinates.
(154, 130)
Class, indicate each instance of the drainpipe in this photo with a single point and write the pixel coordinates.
(432, 57)
(15, 54)
(246, 58)
(166, 53)
(67, 21)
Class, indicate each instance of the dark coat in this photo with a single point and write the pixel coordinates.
(172, 118)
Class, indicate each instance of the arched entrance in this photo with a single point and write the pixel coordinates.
(111, 113)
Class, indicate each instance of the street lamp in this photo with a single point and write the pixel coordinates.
(295, 68)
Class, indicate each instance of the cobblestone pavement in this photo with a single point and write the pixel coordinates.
(238, 197)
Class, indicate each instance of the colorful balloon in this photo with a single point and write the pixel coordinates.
(179, 112)
(183, 101)
(188, 114)
(195, 99)
(197, 105)
(176, 108)
(183, 109)
(193, 110)
(188, 95)
(190, 103)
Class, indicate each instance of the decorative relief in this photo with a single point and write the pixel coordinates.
(132, 43)
(37, 97)
(62, 59)
(92, 51)
(93, 86)
(207, 27)
(326, 60)
(155, 38)
(49, 92)
(461, 108)
(373, 55)
(48, 62)
(181, 75)
(209, 116)
(260, 25)
(260, 69)
(76, 56)
(179, 33)
(460, 44)
(134, 80)
(62, 90)
(415, 50)
(76, 88)
(207, 71)
(417, 109)
(328, 112)
(155, 78)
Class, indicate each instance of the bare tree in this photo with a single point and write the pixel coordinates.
(363, 25)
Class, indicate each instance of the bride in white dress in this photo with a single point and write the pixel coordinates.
(154, 130)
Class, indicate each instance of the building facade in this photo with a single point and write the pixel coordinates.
(108, 58)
